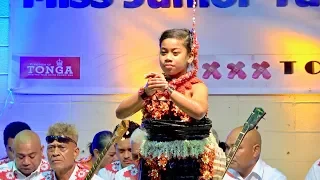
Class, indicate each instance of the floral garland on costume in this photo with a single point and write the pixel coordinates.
(156, 109)
(206, 160)
(203, 150)
(156, 157)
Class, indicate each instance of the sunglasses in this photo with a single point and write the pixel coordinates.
(60, 139)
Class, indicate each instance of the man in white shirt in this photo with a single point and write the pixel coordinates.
(247, 164)
(131, 172)
(28, 163)
(123, 152)
(314, 172)
(62, 151)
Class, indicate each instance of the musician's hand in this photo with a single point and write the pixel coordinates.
(156, 82)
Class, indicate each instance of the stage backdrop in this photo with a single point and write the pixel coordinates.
(258, 49)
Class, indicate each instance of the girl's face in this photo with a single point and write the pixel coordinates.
(174, 57)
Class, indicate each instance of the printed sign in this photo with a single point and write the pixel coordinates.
(50, 67)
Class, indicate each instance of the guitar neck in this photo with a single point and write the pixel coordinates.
(234, 148)
(117, 135)
(254, 118)
(98, 161)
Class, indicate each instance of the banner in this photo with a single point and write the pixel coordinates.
(261, 74)
(74, 48)
(49, 68)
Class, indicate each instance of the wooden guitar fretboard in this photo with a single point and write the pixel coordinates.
(121, 130)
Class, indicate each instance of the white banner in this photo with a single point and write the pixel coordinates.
(261, 74)
(108, 50)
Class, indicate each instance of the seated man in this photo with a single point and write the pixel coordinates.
(123, 152)
(314, 172)
(131, 172)
(247, 163)
(62, 151)
(28, 162)
(10, 131)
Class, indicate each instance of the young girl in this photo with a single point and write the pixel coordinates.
(174, 105)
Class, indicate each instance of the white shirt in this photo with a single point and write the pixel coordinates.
(80, 172)
(128, 173)
(261, 171)
(314, 172)
(109, 172)
(9, 171)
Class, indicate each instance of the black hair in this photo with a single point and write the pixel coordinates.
(12, 129)
(223, 146)
(100, 140)
(181, 34)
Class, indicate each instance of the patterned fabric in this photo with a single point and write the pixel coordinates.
(109, 172)
(9, 171)
(178, 158)
(203, 163)
(127, 173)
(159, 105)
(79, 173)
(86, 161)
(4, 160)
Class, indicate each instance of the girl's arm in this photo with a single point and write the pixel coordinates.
(129, 106)
(196, 106)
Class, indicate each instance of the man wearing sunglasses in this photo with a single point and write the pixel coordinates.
(28, 163)
(132, 171)
(62, 151)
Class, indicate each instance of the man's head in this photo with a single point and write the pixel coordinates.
(27, 151)
(62, 149)
(248, 152)
(123, 148)
(10, 133)
(137, 137)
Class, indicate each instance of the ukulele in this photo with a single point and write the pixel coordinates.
(117, 135)
(255, 117)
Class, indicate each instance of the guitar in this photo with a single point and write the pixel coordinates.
(117, 135)
(255, 117)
